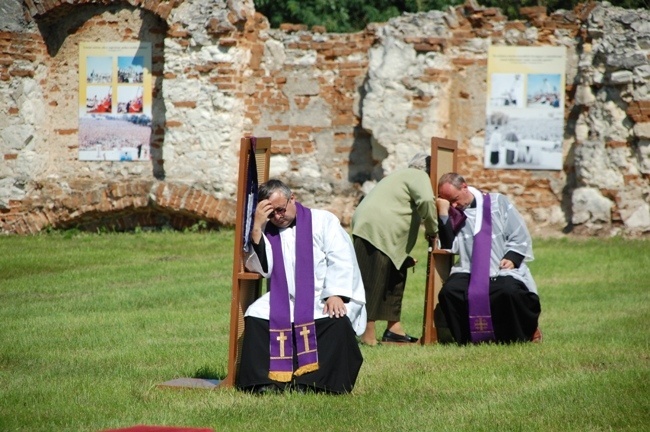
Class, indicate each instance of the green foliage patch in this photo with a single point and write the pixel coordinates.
(345, 16)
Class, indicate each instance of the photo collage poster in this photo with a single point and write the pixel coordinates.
(525, 107)
(115, 101)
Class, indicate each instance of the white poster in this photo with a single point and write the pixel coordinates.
(525, 107)
(115, 101)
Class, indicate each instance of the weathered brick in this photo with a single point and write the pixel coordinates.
(184, 104)
(66, 131)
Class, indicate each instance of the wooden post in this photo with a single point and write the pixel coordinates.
(246, 286)
(443, 160)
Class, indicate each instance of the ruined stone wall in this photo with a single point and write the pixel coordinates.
(343, 110)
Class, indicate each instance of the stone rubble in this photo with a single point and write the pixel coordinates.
(343, 110)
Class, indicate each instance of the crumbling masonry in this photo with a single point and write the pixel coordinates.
(343, 110)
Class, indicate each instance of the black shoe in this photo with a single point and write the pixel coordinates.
(266, 389)
(304, 389)
(310, 389)
(391, 337)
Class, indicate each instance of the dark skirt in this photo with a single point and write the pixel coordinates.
(383, 282)
(339, 358)
(515, 310)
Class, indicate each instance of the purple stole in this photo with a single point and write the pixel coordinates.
(281, 330)
(480, 317)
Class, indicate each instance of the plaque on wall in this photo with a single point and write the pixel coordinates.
(115, 101)
(525, 107)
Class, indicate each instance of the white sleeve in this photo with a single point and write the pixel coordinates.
(252, 261)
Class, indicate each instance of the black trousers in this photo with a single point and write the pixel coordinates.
(515, 310)
(339, 357)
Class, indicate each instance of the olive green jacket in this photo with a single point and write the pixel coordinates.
(389, 217)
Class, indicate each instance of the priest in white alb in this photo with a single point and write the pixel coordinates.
(301, 334)
(490, 294)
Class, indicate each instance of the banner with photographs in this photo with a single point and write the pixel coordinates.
(525, 107)
(114, 101)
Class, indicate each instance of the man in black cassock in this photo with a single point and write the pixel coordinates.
(301, 335)
(490, 294)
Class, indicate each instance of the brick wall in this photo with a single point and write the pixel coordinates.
(221, 73)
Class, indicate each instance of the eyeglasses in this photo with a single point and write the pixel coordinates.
(280, 210)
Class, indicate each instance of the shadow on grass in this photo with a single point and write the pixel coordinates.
(210, 373)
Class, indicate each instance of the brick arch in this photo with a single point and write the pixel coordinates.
(117, 206)
(49, 11)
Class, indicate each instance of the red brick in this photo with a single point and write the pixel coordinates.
(66, 131)
(22, 73)
(185, 104)
(616, 144)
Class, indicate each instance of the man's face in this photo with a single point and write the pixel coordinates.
(284, 210)
(459, 198)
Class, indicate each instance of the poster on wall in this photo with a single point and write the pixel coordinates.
(114, 101)
(525, 107)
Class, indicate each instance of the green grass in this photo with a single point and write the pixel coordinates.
(91, 324)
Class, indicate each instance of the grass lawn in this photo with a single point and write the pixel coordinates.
(90, 324)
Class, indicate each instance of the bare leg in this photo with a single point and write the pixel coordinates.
(368, 337)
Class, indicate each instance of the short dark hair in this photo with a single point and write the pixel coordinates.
(273, 185)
